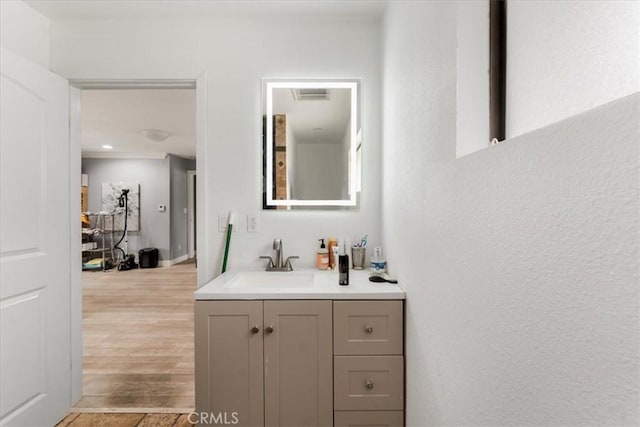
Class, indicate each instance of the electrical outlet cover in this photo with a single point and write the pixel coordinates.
(252, 223)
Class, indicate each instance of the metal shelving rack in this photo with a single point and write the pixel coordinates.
(104, 228)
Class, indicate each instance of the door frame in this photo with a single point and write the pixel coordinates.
(191, 212)
(199, 83)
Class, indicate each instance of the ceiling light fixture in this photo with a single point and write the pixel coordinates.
(107, 147)
(157, 135)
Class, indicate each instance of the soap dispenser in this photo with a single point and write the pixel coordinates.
(322, 257)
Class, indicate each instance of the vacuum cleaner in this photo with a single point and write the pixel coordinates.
(128, 261)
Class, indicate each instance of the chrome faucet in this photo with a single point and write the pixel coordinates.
(278, 265)
(277, 246)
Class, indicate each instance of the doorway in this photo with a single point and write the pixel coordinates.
(137, 349)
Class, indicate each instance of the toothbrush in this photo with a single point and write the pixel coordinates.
(232, 219)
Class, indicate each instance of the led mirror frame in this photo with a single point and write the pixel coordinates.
(270, 86)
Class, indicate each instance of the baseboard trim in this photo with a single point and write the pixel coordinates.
(169, 263)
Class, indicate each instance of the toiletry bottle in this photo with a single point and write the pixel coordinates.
(343, 265)
(322, 257)
(333, 252)
(378, 263)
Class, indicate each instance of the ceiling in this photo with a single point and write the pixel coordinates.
(206, 9)
(315, 121)
(117, 117)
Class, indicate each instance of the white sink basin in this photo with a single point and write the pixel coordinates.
(263, 280)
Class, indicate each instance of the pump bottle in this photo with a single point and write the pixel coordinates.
(322, 257)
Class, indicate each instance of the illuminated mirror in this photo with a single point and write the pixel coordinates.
(312, 144)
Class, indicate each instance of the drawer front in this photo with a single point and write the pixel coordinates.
(368, 382)
(367, 327)
(369, 419)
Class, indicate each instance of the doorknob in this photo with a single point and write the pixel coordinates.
(255, 330)
(269, 329)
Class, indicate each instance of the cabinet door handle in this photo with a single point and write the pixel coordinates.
(368, 329)
(368, 385)
(255, 330)
(269, 329)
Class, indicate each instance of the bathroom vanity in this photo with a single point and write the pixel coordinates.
(297, 349)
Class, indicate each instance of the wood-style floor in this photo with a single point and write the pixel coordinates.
(138, 340)
(125, 420)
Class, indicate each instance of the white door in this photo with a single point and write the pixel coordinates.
(35, 371)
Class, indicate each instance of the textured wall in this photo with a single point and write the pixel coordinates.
(520, 261)
(566, 57)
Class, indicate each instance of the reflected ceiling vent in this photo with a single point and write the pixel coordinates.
(311, 94)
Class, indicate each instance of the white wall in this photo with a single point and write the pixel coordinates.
(236, 54)
(566, 57)
(472, 117)
(24, 31)
(319, 171)
(520, 261)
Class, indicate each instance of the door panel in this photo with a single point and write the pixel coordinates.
(298, 363)
(228, 358)
(35, 372)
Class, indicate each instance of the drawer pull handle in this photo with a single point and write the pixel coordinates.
(368, 385)
(269, 329)
(255, 330)
(368, 329)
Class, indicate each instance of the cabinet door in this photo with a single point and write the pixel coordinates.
(228, 361)
(298, 363)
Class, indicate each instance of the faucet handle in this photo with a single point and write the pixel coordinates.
(287, 263)
(270, 264)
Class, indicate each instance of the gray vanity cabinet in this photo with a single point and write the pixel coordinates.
(270, 362)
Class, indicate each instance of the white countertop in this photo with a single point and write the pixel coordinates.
(298, 284)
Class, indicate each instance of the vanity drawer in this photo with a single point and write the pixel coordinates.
(368, 382)
(367, 327)
(368, 419)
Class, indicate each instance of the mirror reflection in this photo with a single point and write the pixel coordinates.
(311, 144)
